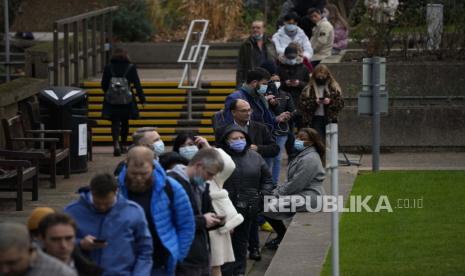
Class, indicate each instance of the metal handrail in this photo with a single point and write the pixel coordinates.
(197, 55)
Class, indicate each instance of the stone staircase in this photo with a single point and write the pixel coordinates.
(166, 109)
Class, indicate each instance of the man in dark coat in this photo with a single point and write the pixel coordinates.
(254, 51)
(202, 167)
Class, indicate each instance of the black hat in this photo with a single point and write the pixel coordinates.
(290, 52)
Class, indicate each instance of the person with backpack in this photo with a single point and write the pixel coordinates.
(119, 104)
(166, 204)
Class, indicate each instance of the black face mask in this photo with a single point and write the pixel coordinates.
(320, 81)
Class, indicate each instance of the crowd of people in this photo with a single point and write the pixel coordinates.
(197, 209)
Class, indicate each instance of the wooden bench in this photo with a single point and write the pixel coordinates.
(14, 173)
(15, 138)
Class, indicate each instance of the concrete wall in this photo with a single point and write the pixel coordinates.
(406, 128)
(407, 78)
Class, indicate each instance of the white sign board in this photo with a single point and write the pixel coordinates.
(82, 139)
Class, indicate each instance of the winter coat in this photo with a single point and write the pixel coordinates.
(261, 112)
(322, 39)
(174, 221)
(341, 37)
(297, 71)
(305, 175)
(260, 136)
(119, 67)
(251, 179)
(281, 41)
(220, 239)
(198, 255)
(124, 227)
(308, 105)
(250, 57)
(285, 103)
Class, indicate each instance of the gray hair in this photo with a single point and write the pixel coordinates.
(210, 158)
(139, 135)
(14, 235)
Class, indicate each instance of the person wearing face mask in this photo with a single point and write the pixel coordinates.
(301, 7)
(166, 206)
(292, 72)
(305, 176)
(145, 136)
(295, 76)
(321, 100)
(188, 144)
(257, 48)
(201, 168)
(253, 91)
(290, 32)
(246, 186)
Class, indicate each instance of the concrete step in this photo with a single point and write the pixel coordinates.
(166, 109)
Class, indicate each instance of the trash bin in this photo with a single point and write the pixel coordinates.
(66, 108)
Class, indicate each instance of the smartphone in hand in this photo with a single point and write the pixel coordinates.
(100, 241)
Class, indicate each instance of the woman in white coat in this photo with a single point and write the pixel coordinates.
(220, 239)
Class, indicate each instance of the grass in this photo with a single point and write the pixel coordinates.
(414, 241)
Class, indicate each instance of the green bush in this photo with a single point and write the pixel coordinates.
(131, 22)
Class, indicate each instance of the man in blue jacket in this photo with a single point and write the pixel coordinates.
(112, 231)
(166, 205)
(253, 91)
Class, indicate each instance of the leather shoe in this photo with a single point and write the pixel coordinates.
(255, 254)
(273, 244)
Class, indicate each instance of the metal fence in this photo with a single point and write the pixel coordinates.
(90, 34)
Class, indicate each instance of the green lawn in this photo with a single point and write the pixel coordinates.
(419, 241)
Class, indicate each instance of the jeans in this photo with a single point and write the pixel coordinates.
(319, 124)
(274, 163)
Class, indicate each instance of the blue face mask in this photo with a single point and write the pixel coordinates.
(262, 89)
(198, 180)
(158, 147)
(238, 145)
(257, 37)
(290, 29)
(188, 151)
(299, 145)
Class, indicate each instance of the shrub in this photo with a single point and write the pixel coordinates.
(131, 21)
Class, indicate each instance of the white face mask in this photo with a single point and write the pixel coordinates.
(188, 151)
(158, 147)
(277, 84)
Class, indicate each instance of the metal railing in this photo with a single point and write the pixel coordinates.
(196, 56)
(68, 57)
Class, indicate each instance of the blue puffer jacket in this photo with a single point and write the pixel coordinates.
(124, 227)
(174, 221)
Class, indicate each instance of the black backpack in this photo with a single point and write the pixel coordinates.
(119, 91)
